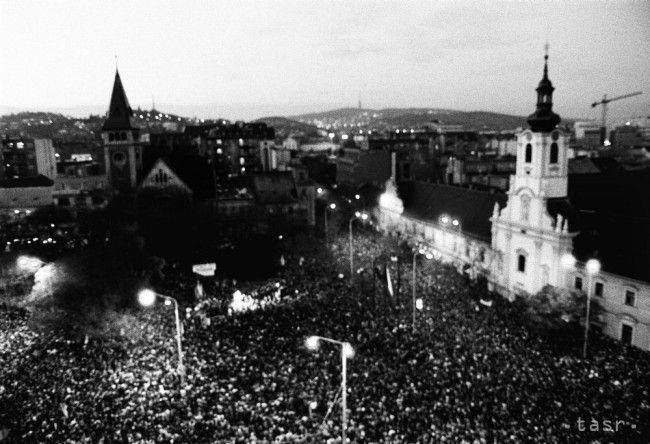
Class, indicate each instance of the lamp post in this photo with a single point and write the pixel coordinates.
(357, 215)
(415, 254)
(146, 298)
(331, 206)
(592, 267)
(347, 352)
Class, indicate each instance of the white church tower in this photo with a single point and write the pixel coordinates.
(537, 225)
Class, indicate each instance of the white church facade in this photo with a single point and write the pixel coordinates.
(518, 241)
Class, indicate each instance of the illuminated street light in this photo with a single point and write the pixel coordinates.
(333, 206)
(455, 222)
(593, 267)
(347, 352)
(319, 190)
(357, 197)
(146, 298)
(419, 304)
(428, 255)
(568, 261)
(363, 217)
(444, 220)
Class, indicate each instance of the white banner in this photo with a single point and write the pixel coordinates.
(204, 269)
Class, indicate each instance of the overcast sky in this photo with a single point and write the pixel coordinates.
(247, 59)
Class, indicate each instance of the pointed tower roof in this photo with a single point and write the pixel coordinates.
(120, 114)
(544, 119)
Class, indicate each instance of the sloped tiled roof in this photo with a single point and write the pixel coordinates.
(472, 208)
(195, 172)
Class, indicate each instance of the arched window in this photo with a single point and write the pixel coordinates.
(529, 153)
(554, 152)
(525, 207)
(521, 263)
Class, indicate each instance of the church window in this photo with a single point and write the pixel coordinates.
(598, 289)
(525, 207)
(521, 263)
(111, 137)
(529, 153)
(554, 152)
(578, 283)
(123, 136)
(630, 298)
(161, 177)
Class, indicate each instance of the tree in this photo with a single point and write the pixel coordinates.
(558, 312)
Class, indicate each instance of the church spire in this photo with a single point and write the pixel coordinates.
(120, 114)
(544, 119)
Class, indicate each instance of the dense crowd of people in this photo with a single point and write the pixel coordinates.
(464, 373)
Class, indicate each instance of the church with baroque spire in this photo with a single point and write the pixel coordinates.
(535, 228)
(518, 241)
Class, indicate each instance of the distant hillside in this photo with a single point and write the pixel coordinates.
(392, 118)
(285, 127)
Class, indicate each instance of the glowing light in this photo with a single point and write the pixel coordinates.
(364, 216)
(28, 264)
(592, 266)
(341, 276)
(168, 302)
(419, 304)
(568, 260)
(357, 214)
(390, 200)
(312, 343)
(146, 297)
(348, 351)
(357, 197)
(444, 219)
(455, 222)
(319, 190)
(333, 206)
(313, 405)
(429, 256)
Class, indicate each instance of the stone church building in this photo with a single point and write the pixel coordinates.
(520, 241)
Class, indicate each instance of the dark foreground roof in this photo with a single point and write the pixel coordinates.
(27, 182)
(195, 172)
(472, 208)
(274, 187)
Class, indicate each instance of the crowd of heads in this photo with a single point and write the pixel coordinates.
(465, 372)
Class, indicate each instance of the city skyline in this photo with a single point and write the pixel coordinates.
(285, 58)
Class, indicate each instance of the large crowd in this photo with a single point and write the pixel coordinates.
(466, 372)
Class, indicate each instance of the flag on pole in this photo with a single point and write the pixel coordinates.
(389, 282)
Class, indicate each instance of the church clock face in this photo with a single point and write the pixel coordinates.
(119, 159)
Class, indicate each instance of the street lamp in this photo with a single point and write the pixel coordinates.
(593, 267)
(347, 352)
(331, 206)
(415, 254)
(146, 298)
(363, 217)
(319, 190)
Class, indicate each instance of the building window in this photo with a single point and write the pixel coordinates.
(626, 334)
(521, 263)
(529, 153)
(598, 289)
(111, 137)
(578, 283)
(630, 298)
(525, 207)
(554, 152)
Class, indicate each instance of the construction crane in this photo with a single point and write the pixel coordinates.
(603, 103)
